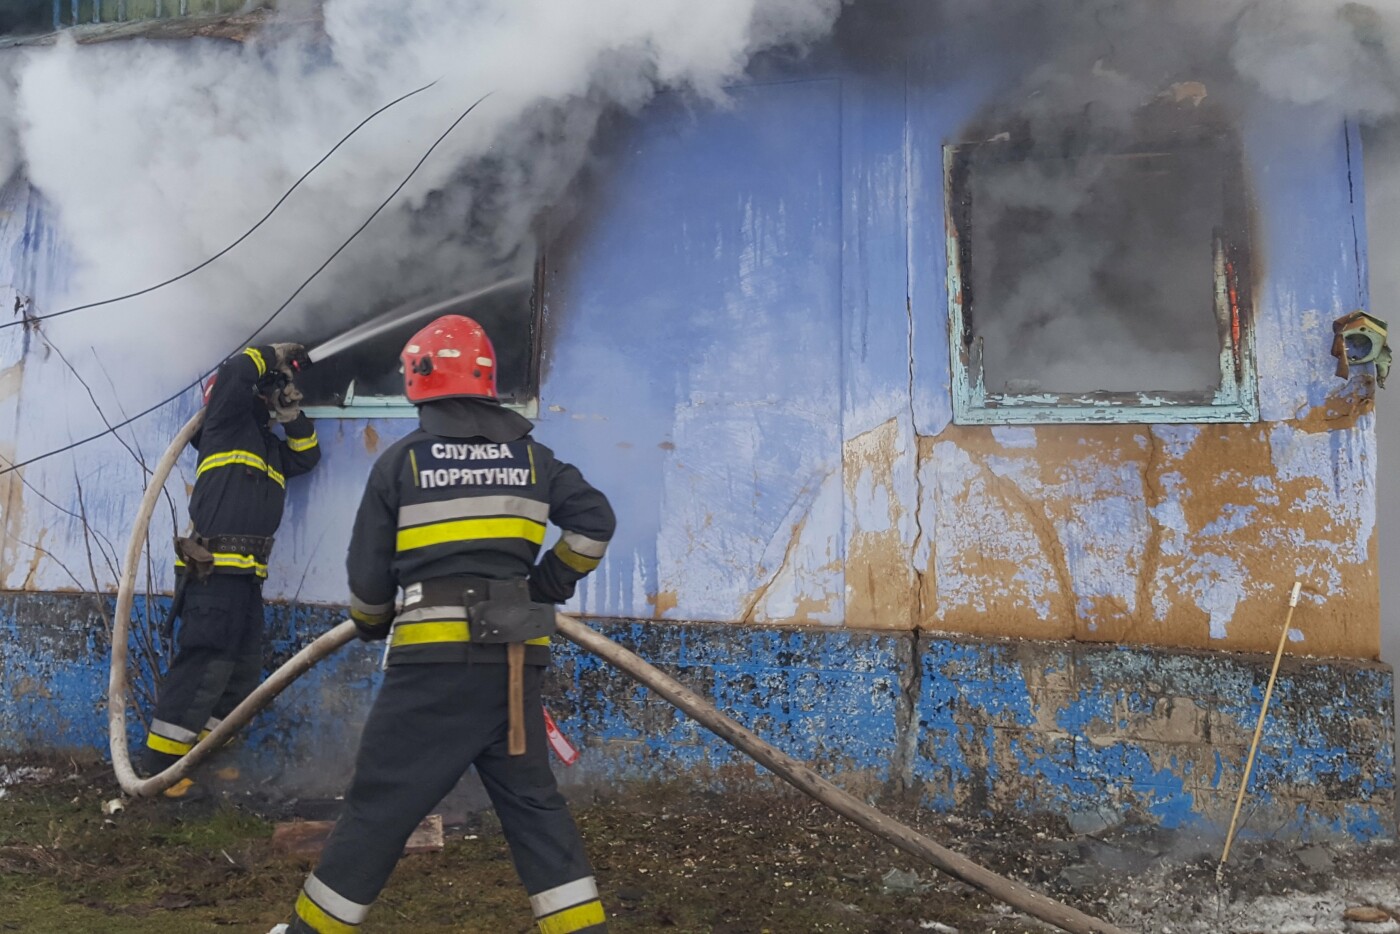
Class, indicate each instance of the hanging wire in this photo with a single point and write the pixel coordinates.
(270, 318)
(34, 319)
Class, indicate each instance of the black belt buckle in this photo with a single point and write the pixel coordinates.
(507, 614)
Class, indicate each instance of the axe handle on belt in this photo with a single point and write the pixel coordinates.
(515, 699)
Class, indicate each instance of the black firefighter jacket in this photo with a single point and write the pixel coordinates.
(467, 494)
(241, 481)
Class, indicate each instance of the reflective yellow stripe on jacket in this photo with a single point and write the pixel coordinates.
(256, 356)
(302, 444)
(240, 458)
(470, 530)
(439, 631)
(579, 551)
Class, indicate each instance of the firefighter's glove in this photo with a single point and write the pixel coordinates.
(285, 404)
(369, 632)
(292, 358)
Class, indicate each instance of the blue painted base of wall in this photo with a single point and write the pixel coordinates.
(1096, 734)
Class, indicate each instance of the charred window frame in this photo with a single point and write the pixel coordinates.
(366, 380)
(1233, 399)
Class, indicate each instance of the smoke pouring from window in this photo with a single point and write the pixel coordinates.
(1096, 272)
(154, 155)
(1087, 274)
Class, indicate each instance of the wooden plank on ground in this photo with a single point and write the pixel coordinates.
(306, 838)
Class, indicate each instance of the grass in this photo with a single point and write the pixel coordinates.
(667, 859)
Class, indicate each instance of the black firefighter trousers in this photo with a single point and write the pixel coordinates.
(428, 725)
(218, 662)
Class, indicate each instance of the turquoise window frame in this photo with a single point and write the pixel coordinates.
(393, 407)
(1236, 401)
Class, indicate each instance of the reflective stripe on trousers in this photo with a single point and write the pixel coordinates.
(326, 911)
(569, 908)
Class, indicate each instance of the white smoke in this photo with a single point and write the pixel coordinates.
(155, 155)
(1310, 52)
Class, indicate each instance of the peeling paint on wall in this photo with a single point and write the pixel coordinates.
(1175, 536)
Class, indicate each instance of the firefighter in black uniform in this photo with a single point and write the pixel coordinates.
(239, 491)
(454, 514)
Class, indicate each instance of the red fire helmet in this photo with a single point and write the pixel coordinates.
(450, 358)
(209, 387)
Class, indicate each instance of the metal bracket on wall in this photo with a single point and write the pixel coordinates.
(1358, 339)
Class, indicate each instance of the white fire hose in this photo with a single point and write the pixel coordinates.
(796, 773)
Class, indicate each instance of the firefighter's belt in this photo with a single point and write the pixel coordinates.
(259, 546)
(199, 552)
(497, 611)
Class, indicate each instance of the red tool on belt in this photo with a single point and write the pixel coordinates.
(558, 741)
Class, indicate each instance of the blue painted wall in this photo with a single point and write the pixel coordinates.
(746, 346)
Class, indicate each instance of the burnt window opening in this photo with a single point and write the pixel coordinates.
(365, 378)
(1100, 282)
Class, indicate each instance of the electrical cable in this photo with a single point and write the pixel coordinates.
(171, 398)
(32, 319)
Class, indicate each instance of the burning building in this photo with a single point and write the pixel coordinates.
(968, 416)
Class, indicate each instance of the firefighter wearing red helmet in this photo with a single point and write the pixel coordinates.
(454, 516)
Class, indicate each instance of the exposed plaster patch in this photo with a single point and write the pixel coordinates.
(662, 603)
(881, 587)
(990, 559)
(371, 439)
(1342, 408)
(1173, 535)
(1042, 524)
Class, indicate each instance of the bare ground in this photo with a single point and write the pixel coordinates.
(668, 859)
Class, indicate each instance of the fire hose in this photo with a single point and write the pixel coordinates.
(796, 773)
